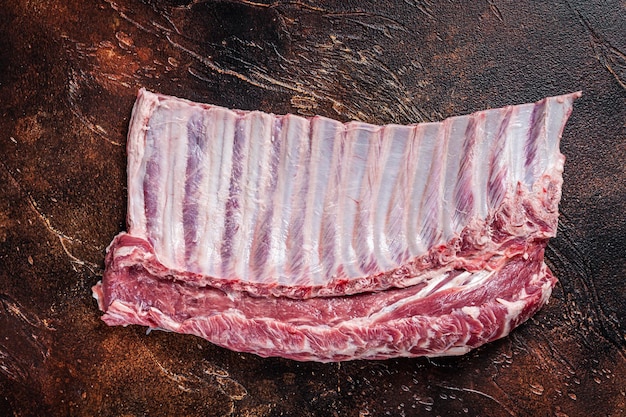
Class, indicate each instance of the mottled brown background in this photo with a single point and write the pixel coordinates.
(69, 72)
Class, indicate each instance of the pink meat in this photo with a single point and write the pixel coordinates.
(316, 240)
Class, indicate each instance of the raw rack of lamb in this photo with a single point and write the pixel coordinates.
(311, 239)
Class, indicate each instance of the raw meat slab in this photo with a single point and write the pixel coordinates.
(317, 240)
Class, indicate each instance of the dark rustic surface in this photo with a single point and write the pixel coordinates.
(69, 72)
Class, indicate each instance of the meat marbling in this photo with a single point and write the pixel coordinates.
(312, 239)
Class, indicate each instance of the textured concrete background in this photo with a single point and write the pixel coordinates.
(69, 73)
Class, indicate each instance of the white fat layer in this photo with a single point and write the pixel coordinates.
(158, 139)
(395, 140)
(513, 310)
(453, 157)
(557, 110)
(122, 251)
(357, 145)
(494, 159)
(173, 214)
(289, 164)
(259, 126)
(138, 155)
(480, 166)
(472, 311)
(429, 219)
(367, 199)
(324, 144)
(519, 126)
(218, 182)
(419, 159)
